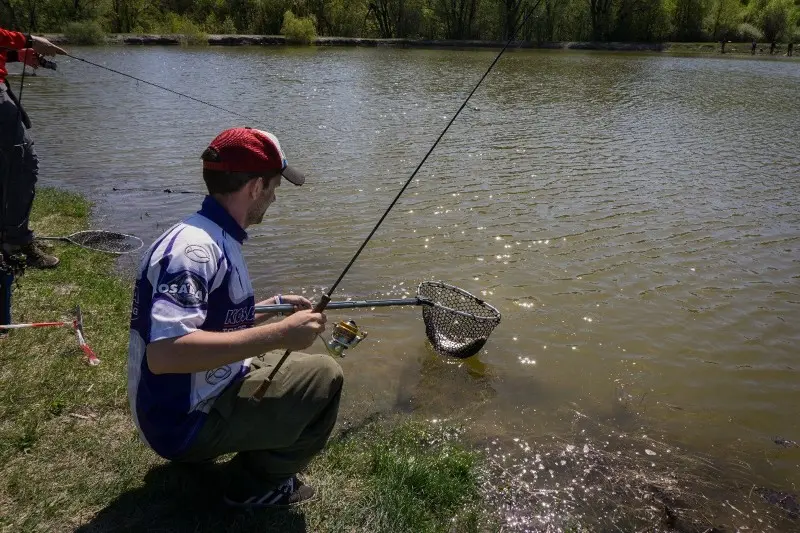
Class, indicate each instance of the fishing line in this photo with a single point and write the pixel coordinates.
(326, 298)
(144, 189)
(215, 106)
(435, 144)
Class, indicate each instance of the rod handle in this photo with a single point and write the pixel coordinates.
(259, 393)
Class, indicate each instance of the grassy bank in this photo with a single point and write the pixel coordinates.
(70, 457)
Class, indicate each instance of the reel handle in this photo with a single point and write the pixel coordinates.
(46, 63)
(262, 389)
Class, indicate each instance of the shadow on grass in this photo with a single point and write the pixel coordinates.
(177, 498)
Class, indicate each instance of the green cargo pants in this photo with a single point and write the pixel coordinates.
(278, 436)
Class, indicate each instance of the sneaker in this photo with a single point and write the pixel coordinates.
(36, 257)
(289, 493)
(45, 245)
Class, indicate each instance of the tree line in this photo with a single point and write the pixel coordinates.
(553, 20)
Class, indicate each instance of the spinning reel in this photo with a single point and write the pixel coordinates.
(345, 335)
(46, 63)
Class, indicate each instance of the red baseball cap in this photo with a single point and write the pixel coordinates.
(250, 151)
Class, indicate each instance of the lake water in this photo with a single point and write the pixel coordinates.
(635, 218)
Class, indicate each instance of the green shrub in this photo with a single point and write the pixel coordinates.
(298, 29)
(212, 24)
(188, 30)
(748, 31)
(86, 32)
(229, 27)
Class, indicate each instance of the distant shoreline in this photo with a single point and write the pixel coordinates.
(279, 40)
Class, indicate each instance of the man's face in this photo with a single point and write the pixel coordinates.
(264, 192)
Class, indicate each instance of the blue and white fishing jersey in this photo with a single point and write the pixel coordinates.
(192, 278)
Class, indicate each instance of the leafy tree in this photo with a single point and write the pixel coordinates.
(777, 19)
(298, 29)
(458, 17)
(723, 19)
(564, 20)
(687, 18)
(600, 13)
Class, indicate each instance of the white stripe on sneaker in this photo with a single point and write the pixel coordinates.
(277, 497)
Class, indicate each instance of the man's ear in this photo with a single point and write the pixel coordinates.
(255, 188)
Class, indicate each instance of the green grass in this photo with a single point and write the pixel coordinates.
(70, 457)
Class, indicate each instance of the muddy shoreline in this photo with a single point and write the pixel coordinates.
(280, 40)
(680, 48)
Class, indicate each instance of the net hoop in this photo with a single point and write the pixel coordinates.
(457, 323)
(125, 243)
(493, 314)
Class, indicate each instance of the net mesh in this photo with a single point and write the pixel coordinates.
(107, 241)
(456, 322)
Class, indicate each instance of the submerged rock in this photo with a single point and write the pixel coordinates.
(785, 443)
(785, 500)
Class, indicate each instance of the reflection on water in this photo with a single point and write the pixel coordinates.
(633, 217)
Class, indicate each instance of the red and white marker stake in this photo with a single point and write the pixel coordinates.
(76, 324)
(35, 325)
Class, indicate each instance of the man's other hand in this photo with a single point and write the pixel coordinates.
(302, 329)
(298, 302)
(45, 47)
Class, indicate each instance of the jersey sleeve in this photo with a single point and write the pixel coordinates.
(181, 281)
(12, 39)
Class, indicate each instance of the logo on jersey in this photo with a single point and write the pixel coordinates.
(135, 303)
(240, 315)
(218, 375)
(184, 288)
(196, 253)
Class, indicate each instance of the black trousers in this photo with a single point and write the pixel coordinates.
(19, 170)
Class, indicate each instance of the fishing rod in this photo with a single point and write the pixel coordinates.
(9, 265)
(259, 393)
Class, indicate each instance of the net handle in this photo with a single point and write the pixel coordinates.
(66, 239)
(356, 304)
(71, 239)
(353, 304)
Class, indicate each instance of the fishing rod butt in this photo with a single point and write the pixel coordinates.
(259, 393)
(322, 304)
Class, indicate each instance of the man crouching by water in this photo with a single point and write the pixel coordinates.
(195, 341)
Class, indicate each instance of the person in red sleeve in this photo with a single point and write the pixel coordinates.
(19, 166)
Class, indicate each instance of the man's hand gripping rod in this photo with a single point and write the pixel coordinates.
(262, 389)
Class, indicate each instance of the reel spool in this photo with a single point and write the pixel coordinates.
(345, 335)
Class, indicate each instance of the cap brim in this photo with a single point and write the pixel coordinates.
(293, 175)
